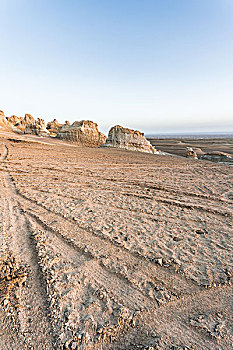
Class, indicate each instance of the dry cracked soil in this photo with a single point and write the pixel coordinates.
(110, 249)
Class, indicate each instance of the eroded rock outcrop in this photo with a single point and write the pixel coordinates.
(14, 120)
(191, 153)
(21, 123)
(54, 127)
(218, 157)
(28, 125)
(38, 127)
(4, 124)
(83, 132)
(128, 139)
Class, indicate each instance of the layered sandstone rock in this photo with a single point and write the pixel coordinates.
(21, 123)
(28, 125)
(14, 120)
(218, 157)
(191, 153)
(54, 127)
(66, 126)
(28, 119)
(38, 127)
(129, 139)
(4, 124)
(84, 133)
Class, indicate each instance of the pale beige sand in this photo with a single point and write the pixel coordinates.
(123, 250)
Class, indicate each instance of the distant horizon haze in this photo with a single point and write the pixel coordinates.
(156, 66)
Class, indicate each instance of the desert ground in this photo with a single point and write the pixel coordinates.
(179, 146)
(111, 249)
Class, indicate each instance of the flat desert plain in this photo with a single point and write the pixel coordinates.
(110, 249)
(202, 145)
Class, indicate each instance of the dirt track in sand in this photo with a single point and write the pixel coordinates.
(122, 250)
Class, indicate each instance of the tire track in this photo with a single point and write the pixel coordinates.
(152, 217)
(143, 185)
(172, 191)
(174, 319)
(34, 310)
(85, 262)
(4, 154)
(107, 263)
(97, 246)
(180, 204)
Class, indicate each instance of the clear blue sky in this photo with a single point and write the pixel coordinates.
(155, 65)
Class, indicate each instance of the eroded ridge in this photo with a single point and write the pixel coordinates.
(123, 250)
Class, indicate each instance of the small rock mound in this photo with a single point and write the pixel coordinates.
(83, 132)
(191, 153)
(132, 140)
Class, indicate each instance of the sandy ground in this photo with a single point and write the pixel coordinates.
(111, 249)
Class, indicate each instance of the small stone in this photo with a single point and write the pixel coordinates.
(200, 232)
(177, 239)
(159, 261)
(5, 302)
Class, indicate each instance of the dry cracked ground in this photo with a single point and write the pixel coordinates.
(110, 249)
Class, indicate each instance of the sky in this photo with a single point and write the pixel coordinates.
(153, 65)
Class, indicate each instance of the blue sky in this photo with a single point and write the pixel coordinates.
(154, 65)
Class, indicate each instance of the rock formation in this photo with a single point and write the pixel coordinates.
(28, 125)
(14, 120)
(191, 153)
(84, 133)
(36, 128)
(54, 127)
(4, 124)
(21, 123)
(218, 157)
(129, 139)
(28, 119)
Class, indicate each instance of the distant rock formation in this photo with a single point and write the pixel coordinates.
(84, 133)
(216, 156)
(66, 126)
(21, 123)
(37, 128)
(28, 125)
(14, 120)
(191, 153)
(4, 124)
(28, 119)
(128, 139)
(54, 127)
